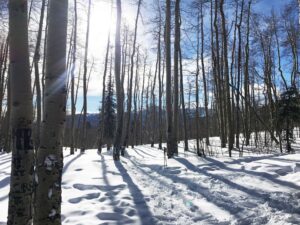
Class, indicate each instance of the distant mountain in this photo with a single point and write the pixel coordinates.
(93, 118)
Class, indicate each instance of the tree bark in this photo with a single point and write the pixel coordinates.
(22, 167)
(49, 158)
(239, 80)
(118, 136)
(84, 122)
(171, 145)
(204, 76)
(197, 116)
(246, 81)
(217, 77)
(227, 81)
(142, 103)
(186, 143)
(101, 128)
(37, 76)
(176, 75)
(129, 106)
(73, 104)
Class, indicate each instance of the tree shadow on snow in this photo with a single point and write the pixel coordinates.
(4, 182)
(264, 175)
(66, 166)
(262, 197)
(146, 153)
(193, 208)
(215, 198)
(4, 161)
(249, 159)
(142, 208)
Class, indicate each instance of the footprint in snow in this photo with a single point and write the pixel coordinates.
(255, 167)
(114, 217)
(131, 213)
(83, 187)
(87, 197)
(284, 170)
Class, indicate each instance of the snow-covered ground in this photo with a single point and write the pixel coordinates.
(254, 189)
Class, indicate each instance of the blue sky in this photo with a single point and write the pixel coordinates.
(100, 23)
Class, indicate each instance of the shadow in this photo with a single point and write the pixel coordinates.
(190, 205)
(137, 152)
(252, 159)
(215, 198)
(286, 160)
(111, 192)
(66, 166)
(264, 197)
(4, 182)
(146, 153)
(264, 175)
(5, 161)
(3, 198)
(142, 208)
(6, 167)
(66, 156)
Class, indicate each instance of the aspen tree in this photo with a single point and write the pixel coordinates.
(22, 167)
(49, 166)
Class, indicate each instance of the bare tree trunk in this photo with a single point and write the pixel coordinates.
(142, 102)
(49, 158)
(246, 81)
(232, 66)
(176, 75)
(127, 128)
(84, 122)
(124, 53)
(239, 78)
(159, 79)
(186, 143)
(118, 136)
(73, 105)
(101, 128)
(135, 99)
(146, 129)
(37, 56)
(20, 198)
(197, 117)
(171, 145)
(153, 131)
(226, 74)
(217, 78)
(204, 77)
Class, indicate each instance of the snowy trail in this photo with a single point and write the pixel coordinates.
(102, 193)
(97, 190)
(245, 196)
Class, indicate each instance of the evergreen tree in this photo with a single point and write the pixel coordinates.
(288, 114)
(109, 118)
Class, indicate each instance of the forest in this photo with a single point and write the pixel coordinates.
(149, 112)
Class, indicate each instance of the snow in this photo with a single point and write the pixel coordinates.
(254, 189)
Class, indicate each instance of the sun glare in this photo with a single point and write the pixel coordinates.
(103, 18)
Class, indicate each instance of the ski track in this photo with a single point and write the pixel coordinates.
(257, 189)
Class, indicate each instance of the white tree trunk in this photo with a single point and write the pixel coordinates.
(21, 182)
(49, 157)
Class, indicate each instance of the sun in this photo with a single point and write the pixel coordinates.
(103, 19)
(101, 24)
